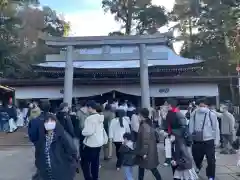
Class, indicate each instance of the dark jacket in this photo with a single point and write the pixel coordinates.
(128, 156)
(33, 128)
(12, 112)
(63, 155)
(181, 155)
(4, 115)
(175, 121)
(75, 123)
(108, 117)
(65, 120)
(147, 145)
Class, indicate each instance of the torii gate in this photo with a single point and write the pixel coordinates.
(105, 43)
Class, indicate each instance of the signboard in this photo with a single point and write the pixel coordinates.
(164, 90)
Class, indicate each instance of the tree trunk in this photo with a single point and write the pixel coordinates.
(129, 18)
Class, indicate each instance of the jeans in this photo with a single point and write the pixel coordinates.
(90, 162)
(4, 126)
(154, 171)
(199, 150)
(128, 172)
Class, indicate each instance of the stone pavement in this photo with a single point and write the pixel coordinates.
(17, 162)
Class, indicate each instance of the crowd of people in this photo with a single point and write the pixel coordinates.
(68, 139)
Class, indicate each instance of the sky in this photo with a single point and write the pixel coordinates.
(87, 17)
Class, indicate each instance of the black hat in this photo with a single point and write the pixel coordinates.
(45, 106)
(63, 105)
(127, 136)
(144, 112)
(92, 104)
(172, 102)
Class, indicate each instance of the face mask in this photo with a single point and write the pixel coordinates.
(50, 125)
(202, 109)
(224, 110)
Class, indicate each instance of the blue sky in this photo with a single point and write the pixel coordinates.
(68, 6)
(87, 17)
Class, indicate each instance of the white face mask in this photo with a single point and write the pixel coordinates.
(50, 125)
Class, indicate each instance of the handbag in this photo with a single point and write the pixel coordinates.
(198, 134)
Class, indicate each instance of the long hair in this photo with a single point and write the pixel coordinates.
(120, 114)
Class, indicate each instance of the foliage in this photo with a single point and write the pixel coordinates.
(214, 23)
(20, 26)
(137, 16)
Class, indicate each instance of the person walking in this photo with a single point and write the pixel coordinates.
(34, 111)
(204, 128)
(109, 115)
(33, 130)
(182, 159)
(56, 154)
(118, 127)
(4, 118)
(64, 118)
(95, 138)
(128, 156)
(146, 147)
(175, 121)
(135, 122)
(82, 114)
(12, 113)
(227, 130)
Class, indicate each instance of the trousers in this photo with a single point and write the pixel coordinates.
(201, 149)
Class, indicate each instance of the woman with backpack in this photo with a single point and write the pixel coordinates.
(118, 127)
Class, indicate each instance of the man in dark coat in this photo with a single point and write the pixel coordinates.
(62, 153)
(33, 129)
(175, 122)
(146, 147)
(65, 119)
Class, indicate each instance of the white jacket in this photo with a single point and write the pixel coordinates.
(116, 132)
(135, 122)
(94, 131)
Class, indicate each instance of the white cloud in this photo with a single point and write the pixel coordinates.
(97, 23)
(91, 23)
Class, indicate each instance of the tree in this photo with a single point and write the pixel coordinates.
(19, 43)
(213, 22)
(138, 16)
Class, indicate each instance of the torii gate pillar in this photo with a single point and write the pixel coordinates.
(68, 77)
(144, 79)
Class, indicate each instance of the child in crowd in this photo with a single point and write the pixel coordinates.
(127, 156)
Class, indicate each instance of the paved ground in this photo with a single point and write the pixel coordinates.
(16, 163)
